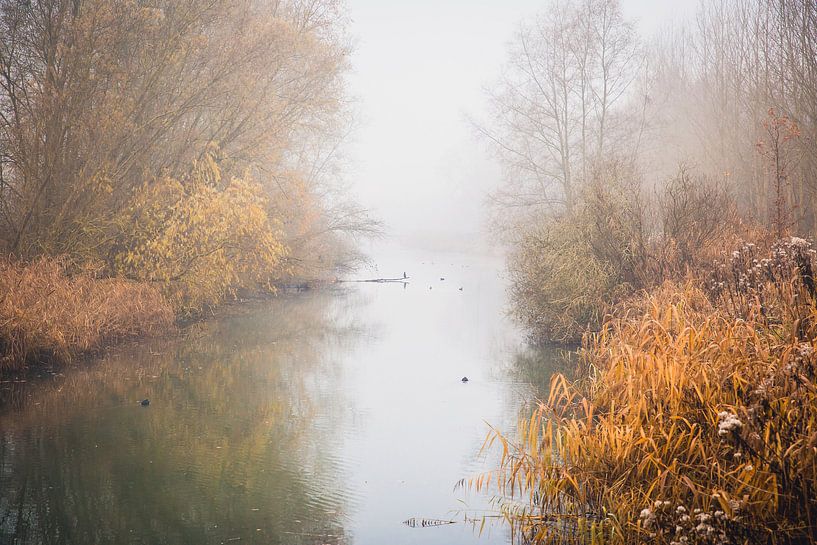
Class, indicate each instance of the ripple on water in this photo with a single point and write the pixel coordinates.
(330, 417)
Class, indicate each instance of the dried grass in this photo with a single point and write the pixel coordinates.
(45, 313)
(695, 420)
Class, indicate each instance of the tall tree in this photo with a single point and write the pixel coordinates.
(99, 97)
(554, 108)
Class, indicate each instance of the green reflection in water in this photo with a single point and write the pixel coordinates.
(537, 365)
(229, 447)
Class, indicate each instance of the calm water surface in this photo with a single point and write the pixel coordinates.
(327, 417)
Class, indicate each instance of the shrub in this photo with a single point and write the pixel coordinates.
(45, 312)
(569, 271)
(695, 420)
(200, 238)
(697, 219)
(557, 285)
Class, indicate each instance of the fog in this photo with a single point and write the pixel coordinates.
(418, 74)
(363, 272)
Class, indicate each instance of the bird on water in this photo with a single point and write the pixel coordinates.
(144, 402)
(465, 379)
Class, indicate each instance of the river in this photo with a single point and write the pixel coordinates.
(323, 417)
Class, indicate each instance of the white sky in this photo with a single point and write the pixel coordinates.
(419, 68)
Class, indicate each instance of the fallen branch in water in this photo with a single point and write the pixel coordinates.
(380, 280)
(426, 523)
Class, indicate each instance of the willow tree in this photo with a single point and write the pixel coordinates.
(101, 99)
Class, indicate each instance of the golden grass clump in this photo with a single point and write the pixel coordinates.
(694, 421)
(47, 313)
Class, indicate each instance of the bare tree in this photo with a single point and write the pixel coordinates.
(718, 78)
(554, 108)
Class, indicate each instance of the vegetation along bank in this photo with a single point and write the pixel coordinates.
(664, 207)
(156, 161)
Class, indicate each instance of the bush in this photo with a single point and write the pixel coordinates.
(569, 271)
(45, 313)
(566, 272)
(695, 420)
(697, 218)
(200, 238)
(558, 285)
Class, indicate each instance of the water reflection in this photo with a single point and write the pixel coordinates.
(229, 448)
(537, 364)
(323, 417)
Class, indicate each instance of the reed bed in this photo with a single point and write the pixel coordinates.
(48, 314)
(694, 420)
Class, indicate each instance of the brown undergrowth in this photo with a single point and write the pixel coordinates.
(48, 314)
(694, 420)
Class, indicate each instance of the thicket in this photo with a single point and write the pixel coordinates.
(569, 272)
(730, 91)
(694, 419)
(693, 414)
(590, 126)
(190, 146)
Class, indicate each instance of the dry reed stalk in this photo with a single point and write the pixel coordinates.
(45, 312)
(695, 420)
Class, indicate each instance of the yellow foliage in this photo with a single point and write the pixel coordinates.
(303, 221)
(201, 238)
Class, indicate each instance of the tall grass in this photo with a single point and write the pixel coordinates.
(694, 421)
(47, 313)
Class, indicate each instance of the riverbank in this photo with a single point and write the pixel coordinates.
(47, 315)
(50, 317)
(693, 420)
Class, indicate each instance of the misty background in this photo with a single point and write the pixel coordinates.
(418, 74)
